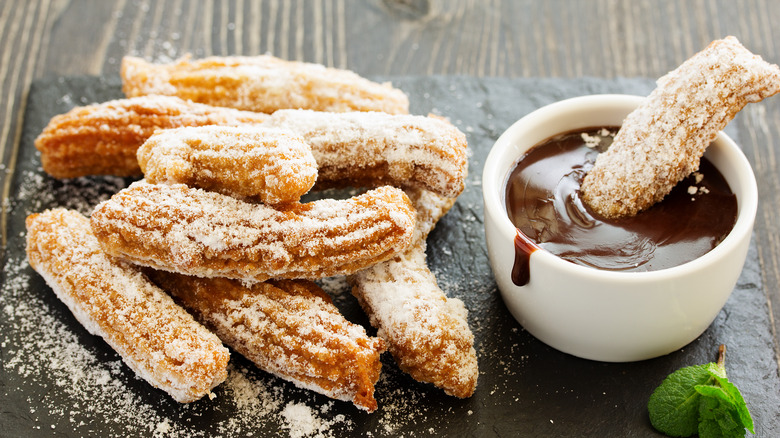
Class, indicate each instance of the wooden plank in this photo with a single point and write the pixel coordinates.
(24, 37)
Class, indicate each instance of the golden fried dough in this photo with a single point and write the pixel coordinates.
(271, 165)
(427, 333)
(190, 231)
(372, 149)
(289, 328)
(155, 337)
(261, 83)
(102, 139)
(663, 140)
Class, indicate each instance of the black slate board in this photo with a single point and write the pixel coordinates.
(57, 380)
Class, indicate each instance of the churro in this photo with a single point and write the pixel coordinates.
(155, 337)
(427, 332)
(429, 207)
(289, 328)
(261, 83)
(191, 231)
(102, 139)
(371, 148)
(662, 141)
(267, 164)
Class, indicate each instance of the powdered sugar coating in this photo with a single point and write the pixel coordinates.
(373, 148)
(261, 83)
(102, 139)
(427, 333)
(662, 141)
(191, 231)
(155, 337)
(289, 328)
(271, 165)
(429, 207)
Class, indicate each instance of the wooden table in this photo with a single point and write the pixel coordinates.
(554, 38)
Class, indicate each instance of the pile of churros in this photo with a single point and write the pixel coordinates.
(214, 248)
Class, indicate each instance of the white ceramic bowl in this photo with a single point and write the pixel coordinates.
(607, 315)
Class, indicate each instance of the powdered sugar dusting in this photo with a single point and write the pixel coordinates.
(37, 191)
(67, 376)
(272, 165)
(155, 337)
(290, 329)
(405, 150)
(173, 228)
(90, 386)
(303, 421)
(427, 332)
(261, 83)
(104, 138)
(52, 352)
(662, 141)
(116, 403)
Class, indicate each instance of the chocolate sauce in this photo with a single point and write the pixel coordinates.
(521, 273)
(543, 202)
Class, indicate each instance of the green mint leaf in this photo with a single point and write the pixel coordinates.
(718, 418)
(714, 391)
(739, 402)
(729, 394)
(709, 429)
(674, 405)
(700, 399)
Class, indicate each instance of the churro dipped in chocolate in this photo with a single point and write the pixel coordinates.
(191, 231)
(102, 139)
(261, 83)
(155, 337)
(270, 165)
(427, 333)
(371, 149)
(289, 328)
(662, 141)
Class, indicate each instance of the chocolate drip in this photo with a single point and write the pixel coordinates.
(521, 271)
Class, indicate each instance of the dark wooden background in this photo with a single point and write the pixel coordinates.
(551, 38)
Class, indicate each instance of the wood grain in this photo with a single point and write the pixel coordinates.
(559, 38)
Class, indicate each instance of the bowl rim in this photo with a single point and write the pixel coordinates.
(494, 185)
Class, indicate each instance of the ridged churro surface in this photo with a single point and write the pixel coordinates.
(191, 231)
(155, 337)
(372, 148)
(289, 328)
(429, 207)
(261, 83)
(102, 139)
(427, 333)
(271, 165)
(662, 141)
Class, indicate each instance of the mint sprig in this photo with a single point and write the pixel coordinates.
(700, 399)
